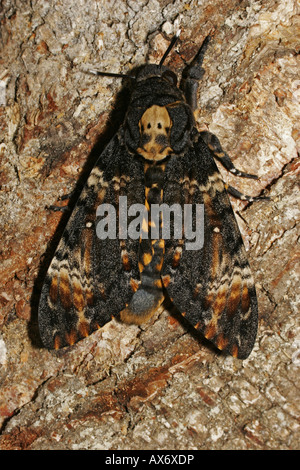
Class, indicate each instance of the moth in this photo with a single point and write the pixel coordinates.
(156, 157)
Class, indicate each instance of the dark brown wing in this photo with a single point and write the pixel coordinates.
(89, 279)
(212, 286)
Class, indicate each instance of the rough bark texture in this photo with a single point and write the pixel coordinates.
(158, 386)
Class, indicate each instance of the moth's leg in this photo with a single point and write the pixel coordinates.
(192, 74)
(67, 196)
(215, 147)
(234, 192)
(58, 208)
(190, 83)
(62, 198)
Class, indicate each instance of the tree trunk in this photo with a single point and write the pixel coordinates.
(157, 386)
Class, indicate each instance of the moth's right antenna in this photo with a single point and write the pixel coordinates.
(171, 45)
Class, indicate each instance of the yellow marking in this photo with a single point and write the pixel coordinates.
(220, 154)
(221, 341)
(147, 258)
(145, 226)
(88, 243)
(134, 285)
(176, 258)
(155, 123)
(235, 351)
(84, 329)
(53, 292)
(214, 184)
(208, 300)
(127, 316)
(126, 262)
(174, 104)
(166, 280)
(56, 342)
(89, 296)
(197, 114)
(94, 177)
(235, 295)
(245, 299)
(217, 309)
(158, 283)
(64, 289)
(101, 196)
(71, 337)
(210, 331)
(161, 243)
(220, 302)
(159, 265)
(216, 242)
(141, 267)
(78, 298)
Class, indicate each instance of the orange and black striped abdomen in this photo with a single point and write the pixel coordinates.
(149, 295)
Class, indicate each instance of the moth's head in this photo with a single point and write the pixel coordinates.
(148, 71)
(158, 120)
(159, 71)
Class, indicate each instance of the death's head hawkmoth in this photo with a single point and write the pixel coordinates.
(111, 262)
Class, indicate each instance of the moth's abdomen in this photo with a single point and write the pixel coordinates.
(149, 296)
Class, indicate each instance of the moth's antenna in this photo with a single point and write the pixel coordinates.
(108, 74)
(171, 45)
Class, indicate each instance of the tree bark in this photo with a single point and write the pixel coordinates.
(158, 386)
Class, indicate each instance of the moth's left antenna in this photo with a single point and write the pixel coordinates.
(171, 45)
(107, 74)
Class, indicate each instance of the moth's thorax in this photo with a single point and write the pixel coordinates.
(152, 70)
(159, 121)
(155, 127)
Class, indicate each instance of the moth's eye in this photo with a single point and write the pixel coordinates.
(170, 76)
(148, 125)
(159, 126)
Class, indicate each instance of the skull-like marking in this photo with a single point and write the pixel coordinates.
(155, 126)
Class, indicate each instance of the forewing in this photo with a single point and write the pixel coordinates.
(212, 287)
(89, 279)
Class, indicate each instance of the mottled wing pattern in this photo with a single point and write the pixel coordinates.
(213, 287)
(91, 280)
